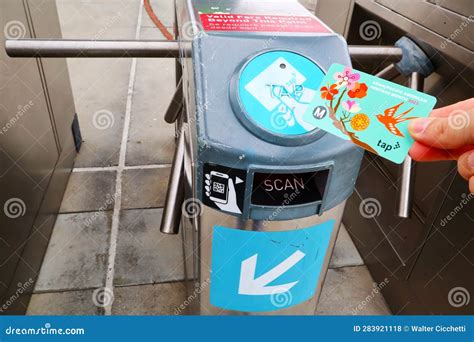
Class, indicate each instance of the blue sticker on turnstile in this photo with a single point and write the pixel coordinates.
(275, 89)
(266, 271)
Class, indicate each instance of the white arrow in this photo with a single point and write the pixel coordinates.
(249, 285)
(238, 180)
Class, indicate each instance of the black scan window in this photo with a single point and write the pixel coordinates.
(277, 189)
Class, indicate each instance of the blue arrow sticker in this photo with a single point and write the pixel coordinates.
(265, 271)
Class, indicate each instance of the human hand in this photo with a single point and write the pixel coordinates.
(447, 134)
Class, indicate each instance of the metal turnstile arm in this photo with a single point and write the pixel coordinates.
(405, 201)
(172, 209)
(76, 48)
(61, 48)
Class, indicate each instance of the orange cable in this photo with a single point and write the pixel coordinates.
(157, 21)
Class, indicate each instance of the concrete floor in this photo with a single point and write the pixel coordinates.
(107, 235)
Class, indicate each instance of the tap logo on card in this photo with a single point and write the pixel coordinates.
(371, 112)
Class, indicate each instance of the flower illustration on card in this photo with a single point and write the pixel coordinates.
(342, 94)
(351, 106)
(327, 93)
(358, 91)
(346, 78)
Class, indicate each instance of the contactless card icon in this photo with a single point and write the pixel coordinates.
(275, 89)
(371, 112)
(269, 86)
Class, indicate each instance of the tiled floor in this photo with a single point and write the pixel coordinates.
(144, 255)
(145, 188)
(82, 195)
(107, 234)
(77, 253)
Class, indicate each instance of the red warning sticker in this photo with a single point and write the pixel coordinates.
(261, 23)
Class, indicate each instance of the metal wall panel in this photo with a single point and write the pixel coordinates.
(28, 150)
(30, 122)
(420, 30)
(422, 262)
(463, 7)
(56, 72)
(446, 262)
(437, 19)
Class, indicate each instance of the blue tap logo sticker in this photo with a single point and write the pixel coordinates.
(265, 271)
(275, 89)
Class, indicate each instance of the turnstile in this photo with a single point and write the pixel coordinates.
(261, 191)
(265, 190)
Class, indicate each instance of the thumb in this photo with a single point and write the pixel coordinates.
(444, 133)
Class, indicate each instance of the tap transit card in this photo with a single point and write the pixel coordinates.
(371, 112)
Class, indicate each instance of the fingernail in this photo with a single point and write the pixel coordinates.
(419, 125)
(470, 160)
